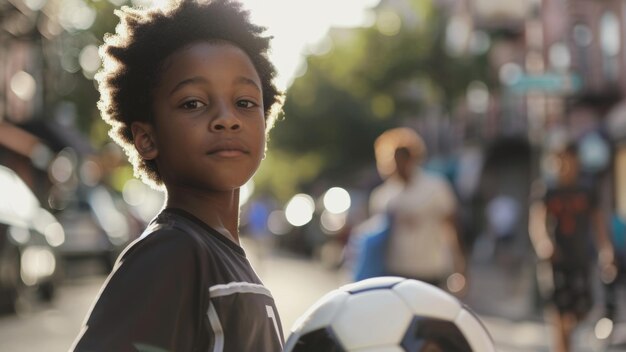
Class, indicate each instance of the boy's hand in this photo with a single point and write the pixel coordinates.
(608, 273)
(606, 262)
(608, 269)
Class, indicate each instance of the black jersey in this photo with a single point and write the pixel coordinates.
(182, 287)
(570, 211)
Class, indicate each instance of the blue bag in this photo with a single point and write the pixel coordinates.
(618, 231)
(371, 247)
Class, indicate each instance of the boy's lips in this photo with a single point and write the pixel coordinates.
(228, 148)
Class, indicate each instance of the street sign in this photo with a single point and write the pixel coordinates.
(550, 83)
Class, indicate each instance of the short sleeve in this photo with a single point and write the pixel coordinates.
(151, 300)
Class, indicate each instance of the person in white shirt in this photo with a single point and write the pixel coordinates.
(423, 243)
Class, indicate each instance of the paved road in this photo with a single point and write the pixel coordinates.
(295, 283)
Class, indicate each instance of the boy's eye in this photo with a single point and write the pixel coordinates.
(246, 104)
(192, 104)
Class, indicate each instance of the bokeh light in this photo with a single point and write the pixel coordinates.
(23, 85)
(277, 223)
(47, 224)
(559, 56)
(76, 15)
(510, 73)
(336, 200)
(89, 59)
(478, 97)
(332, 222)
(299, 210)
(61, 169)
(37, 262)
(389, 23)
(90, 173)
(603, 328)
(455, 282)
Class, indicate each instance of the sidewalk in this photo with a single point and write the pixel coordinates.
(507, 303)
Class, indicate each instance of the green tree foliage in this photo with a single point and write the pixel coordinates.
(372, 79)
(80, 87)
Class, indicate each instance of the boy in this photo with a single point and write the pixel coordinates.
(188, 92)
(561, 225)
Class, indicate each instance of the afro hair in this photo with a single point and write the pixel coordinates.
(133, 57)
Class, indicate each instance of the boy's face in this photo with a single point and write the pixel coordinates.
(568, 168)
(209, 127)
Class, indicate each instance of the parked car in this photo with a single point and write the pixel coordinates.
(97, 225)
(29, 238)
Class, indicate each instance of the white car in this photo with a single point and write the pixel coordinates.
(96, 225)
(29, 238)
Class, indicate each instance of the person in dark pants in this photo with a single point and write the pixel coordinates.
(564, 222)
(614, 279)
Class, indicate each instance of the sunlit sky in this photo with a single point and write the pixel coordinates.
(296, 25)
(299, 24)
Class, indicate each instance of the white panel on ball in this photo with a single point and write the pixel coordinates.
(430, 302)
(474, 332)
(321, 313)
(361, 324)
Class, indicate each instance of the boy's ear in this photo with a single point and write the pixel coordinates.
(143, 138)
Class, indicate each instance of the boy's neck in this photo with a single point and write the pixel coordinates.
(219, 210)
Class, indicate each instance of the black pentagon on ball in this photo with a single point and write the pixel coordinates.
(321, 340)
(431, 334)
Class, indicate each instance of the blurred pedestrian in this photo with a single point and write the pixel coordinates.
(503, 213)
(564, 221)
(423, 242)
(257, 212)
(187, 89)
(615, 280)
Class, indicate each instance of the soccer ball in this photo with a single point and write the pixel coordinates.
(388, 314)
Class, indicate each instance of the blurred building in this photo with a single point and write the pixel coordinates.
(546, 55)
(543, 51)
(38, 132)
(23, 29)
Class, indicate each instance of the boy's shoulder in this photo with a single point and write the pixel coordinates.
(165, 233)
(178, 232)
(160, 245)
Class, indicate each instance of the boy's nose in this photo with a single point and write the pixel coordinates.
(225, 120)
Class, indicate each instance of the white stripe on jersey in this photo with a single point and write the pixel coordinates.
(218, 331)
(238, 287)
